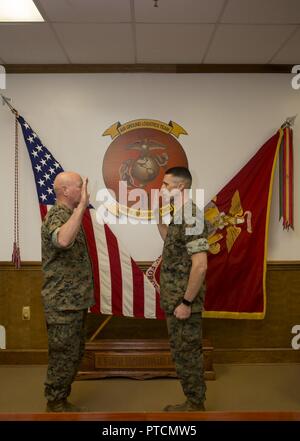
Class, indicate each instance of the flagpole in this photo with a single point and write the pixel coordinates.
(6, 100)
(103, 324)
(16, 258)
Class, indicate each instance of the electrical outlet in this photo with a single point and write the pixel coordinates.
(26, 313)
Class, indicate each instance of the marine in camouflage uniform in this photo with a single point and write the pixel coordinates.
(67, 294)
(185, 335)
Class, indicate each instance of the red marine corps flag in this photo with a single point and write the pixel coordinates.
(238, 245)
(239, 217)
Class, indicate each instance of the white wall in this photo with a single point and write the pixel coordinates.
(227, 117)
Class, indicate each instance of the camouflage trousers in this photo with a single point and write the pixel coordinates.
(186, 349)
(66, 343)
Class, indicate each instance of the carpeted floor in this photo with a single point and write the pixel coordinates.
(269, 387)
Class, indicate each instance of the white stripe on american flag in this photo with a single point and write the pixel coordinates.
(104, 265)
(127, 298)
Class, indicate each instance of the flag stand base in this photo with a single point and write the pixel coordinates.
(137, 359)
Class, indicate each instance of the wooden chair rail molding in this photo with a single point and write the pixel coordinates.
(273, 265)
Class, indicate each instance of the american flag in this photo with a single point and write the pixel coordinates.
(120, 287)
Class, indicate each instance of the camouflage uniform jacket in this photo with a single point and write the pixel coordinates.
(68, 280)
(176, 260)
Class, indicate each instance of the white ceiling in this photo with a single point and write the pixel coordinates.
(178, 31)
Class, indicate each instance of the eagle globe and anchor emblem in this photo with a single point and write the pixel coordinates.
(138, 172)
(139, 154)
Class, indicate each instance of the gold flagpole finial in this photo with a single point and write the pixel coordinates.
(289, 122)
(6, 100)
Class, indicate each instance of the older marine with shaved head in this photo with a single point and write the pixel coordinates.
(67, 291)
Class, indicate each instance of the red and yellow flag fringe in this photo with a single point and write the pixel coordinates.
(286, 179)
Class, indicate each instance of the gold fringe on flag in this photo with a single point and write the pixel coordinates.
(286, 176)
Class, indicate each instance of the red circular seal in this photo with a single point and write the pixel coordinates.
(140, 157)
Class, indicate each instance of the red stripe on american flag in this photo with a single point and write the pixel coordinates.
(43, 210)
(92, 249)
(115, 272)
(138, 290)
